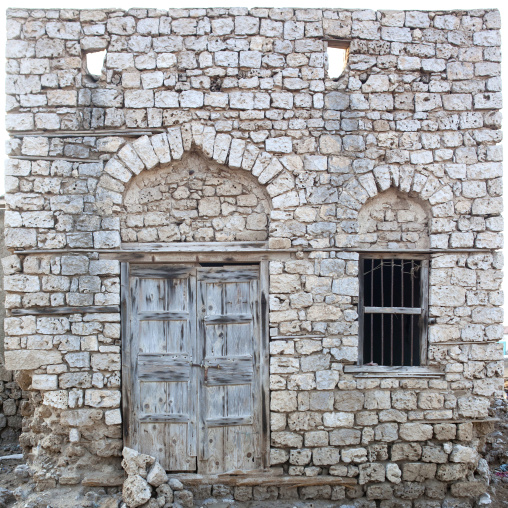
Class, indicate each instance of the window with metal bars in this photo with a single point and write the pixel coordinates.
(393, 310)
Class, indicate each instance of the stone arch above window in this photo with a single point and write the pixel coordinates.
(194, 200)
(394, 220)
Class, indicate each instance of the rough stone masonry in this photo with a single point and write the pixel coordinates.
(400, 154)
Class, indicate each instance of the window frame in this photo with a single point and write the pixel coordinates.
(424, 304)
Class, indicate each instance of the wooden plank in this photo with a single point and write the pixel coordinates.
(195, 246)
(66, 310)
(380, 369)
(226, 275)
(229, 421)
(167, 271)
(393, 310)
(263, 479)
(51, 158)
(277, 337)
(424, 319)
(361, 309)
(87, 133)
(228, 319)
(163, 315)
(125, 314)
(133, 345)
(263, 338)
(163, 372)
(205, 257)
(164, 418)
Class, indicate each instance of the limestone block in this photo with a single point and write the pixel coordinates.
(139, 98)
(406, 451)
(371, 473)
(106, 239)
(386, 432)
(464, 454)
(354, 455)
(241, 100)
(102, 398)
(326, 380)
(417, 472)
(31, 360)
(279, 145)
(44, 382)
(135, 491)
(80, 417)
(345, 437)
(469, 489)
(106, 361)
(286, 440)
(63, 30)
(416, 431)
(451, 472)
(22, 283)
(434, 454)
(157, 475)
(246, 25)
(125, 25)
(338, 419)
(393, 473)
(325, 456)
(278, 456)
(145, 151)
(283, 401)
(57, 399)
(191, 99)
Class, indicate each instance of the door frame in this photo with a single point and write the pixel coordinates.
(264, 352)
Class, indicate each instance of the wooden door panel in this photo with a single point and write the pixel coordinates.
(228, 309)
(169, 336)
(163, 351)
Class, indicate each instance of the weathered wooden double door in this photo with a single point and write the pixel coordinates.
(193, 353)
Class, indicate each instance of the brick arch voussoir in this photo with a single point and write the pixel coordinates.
(148, 152)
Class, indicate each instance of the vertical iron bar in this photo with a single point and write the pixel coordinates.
(382, 315)
(391, 315)
(402, 305)
(372, 315)
(412, 305)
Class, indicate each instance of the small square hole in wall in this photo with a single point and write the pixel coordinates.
(95, 62)
(337, 54)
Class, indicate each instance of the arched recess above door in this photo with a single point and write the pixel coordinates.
(194, 200)
(149, 153)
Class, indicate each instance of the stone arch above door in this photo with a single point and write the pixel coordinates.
(194, 200)
(148, 153)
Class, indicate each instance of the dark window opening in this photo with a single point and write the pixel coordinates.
(393, 311)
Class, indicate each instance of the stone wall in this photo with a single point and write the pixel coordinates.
(400, 152)
(10, 393)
